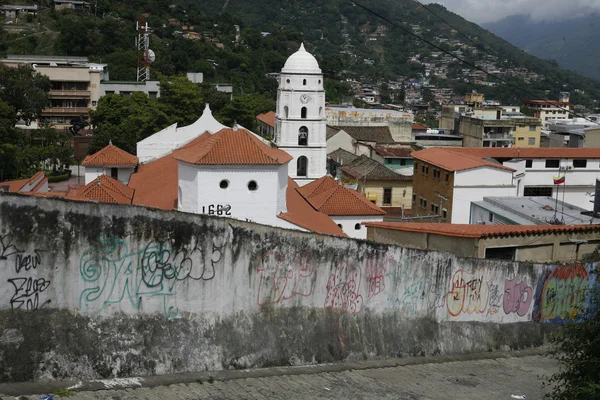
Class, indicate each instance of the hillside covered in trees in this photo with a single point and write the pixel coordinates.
(336, 31)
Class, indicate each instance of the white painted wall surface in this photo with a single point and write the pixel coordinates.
(475, 184)
(123, 173)
(340, 140)
(261, 206)
(349, 224)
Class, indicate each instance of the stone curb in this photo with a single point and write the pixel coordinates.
(29, 388)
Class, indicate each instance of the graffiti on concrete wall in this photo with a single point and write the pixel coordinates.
(113, 274)
(408, 293)
(561, 293)
(27, 291)
(469, 293)
(343, 289)
(518, 297)
(282, 277)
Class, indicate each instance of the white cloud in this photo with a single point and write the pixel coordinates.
(481, 11)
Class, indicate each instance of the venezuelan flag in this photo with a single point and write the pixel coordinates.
(559, 180)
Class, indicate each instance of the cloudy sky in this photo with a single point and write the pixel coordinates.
(481, 11)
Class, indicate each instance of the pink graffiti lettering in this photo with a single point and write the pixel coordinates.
(375, 271)
(343, 288)
(286, 279)
(468, 293)
(517, 297)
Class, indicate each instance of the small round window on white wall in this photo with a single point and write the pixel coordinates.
(357, 227)
(252, 186)
(340, 225)
(224, 184)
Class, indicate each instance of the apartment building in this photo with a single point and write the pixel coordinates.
(547, 110)
(447, 180)
(75, 86)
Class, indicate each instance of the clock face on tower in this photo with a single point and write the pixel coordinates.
(304, 98)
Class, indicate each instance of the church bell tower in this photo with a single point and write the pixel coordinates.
(300, 125)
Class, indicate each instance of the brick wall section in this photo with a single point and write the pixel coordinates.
(428, 187)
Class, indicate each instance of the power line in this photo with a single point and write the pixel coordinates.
(444, 21)
(375, 13)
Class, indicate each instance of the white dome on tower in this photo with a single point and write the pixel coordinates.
(301, 62)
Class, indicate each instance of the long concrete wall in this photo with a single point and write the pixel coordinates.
(94, 291)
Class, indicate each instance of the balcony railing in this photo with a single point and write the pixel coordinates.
(70, 93)
(65, 110)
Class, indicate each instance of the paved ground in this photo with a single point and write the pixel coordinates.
(478, 379)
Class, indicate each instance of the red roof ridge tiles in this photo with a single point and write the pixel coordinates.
(232, 147)
(111, 155)
(480, 231)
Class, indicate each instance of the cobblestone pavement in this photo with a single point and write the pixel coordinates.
(464, 380)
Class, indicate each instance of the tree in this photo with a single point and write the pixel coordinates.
(577, 349)
(244, 110)
(25, 90)
(125, 120)
(181, 99)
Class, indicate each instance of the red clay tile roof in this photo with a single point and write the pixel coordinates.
(331, 198)
(111, 155)
(103, 189)
(232, 147)
(556, 103)
(394, 151)
(481, 231)
(452, 159)
(267, 118)
(419, 127)
(155, 183)
(14, 186)
(302, 214)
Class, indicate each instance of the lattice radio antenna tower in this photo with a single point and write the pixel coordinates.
(145, 56)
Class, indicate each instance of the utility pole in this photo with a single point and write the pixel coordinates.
(442, 199)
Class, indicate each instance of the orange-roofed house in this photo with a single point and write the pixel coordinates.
(447, 180)
(535, 243)
(112, 161)
(346, 207)
(266, 124)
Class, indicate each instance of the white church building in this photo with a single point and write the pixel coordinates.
(208, 168)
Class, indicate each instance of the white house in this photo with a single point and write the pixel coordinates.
(455, 176)
(300, 126)
(112, 161)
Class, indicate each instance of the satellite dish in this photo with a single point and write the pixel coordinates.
(151, 57)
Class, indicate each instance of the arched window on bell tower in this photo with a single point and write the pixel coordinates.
(286, 111)
(303, 112)
(303, 136)
(302, 166)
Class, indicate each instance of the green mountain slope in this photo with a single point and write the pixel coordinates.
(571, 42)
(339, 33)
